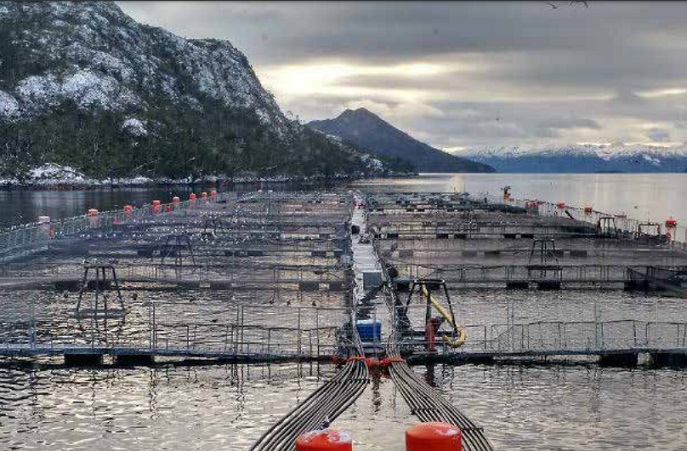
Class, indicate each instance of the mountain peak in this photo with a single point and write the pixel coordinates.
(370, 131)
(360, 114)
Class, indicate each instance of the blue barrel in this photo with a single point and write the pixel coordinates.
(369, 330)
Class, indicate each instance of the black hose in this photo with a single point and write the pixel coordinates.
(425, 402)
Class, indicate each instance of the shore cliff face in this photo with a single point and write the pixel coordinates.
(85, 86)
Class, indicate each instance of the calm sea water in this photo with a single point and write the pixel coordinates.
(223, 408)
(213, 408)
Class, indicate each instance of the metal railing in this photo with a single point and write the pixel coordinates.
(624, 224)
(29, 237)
(276, 331)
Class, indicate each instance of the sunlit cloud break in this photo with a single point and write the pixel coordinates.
(464, 74)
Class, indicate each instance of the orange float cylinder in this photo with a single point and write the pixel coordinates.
(434, 437)
(326, 440)
(156, 206)
(93, 217)
(44, 222)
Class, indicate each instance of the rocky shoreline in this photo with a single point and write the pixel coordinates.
(64, 178)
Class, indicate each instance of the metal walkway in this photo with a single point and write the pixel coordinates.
(329, 401)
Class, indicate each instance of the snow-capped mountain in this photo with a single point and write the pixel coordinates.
(582, 158)
(84, 85)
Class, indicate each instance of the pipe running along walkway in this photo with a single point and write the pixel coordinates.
(319, 409)
(425, 402)
(330, 400)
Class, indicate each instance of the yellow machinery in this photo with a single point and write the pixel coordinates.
(424, 288)
(460, 332)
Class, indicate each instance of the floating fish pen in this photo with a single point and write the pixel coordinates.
(264, 276)
(372, 283)
(516, 278)
(471, 243)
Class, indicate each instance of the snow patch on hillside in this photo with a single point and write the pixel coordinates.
(54, 172)
(9, 107)
(85, 87)
(134, 127)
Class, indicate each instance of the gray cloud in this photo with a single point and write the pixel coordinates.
(658, 135)
(512, 72)
(565, 123)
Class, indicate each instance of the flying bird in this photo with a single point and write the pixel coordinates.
(552, 5)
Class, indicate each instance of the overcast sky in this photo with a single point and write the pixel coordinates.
(462, 74)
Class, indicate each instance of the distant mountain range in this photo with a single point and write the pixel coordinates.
(373, 133)
(582, 159)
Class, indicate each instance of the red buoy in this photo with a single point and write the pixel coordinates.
(434, 437)
(588, 210)
(326, 440)
(561, 205)
(128, 209)
(671, 223)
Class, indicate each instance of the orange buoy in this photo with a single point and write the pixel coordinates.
(325, 440)
(156, 206)
(434, 436)
(93, 217)
(561, 205)
(45, 226)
